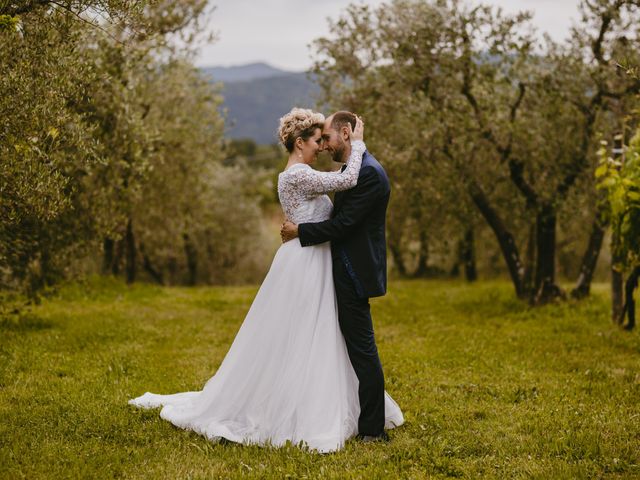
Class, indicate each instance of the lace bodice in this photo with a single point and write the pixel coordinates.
(302, 190)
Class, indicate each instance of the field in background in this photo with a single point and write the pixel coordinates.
(489, 387)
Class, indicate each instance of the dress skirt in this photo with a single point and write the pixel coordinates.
(287, 375)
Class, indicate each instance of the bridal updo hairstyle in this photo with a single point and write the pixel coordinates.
(299, 122)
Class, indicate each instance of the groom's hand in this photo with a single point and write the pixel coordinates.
(289, 231)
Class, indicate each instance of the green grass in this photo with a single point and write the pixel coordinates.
(490, 388)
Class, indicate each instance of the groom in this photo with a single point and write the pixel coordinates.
(358, 248)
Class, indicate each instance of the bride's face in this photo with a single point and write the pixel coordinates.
(311, 147)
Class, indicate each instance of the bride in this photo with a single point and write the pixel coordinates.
(287, 375)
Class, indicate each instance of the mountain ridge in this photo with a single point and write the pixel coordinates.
(244, 72)
(257, 95)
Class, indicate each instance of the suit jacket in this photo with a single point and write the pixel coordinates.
(356, 229)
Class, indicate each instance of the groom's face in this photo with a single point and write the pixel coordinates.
(333, 141)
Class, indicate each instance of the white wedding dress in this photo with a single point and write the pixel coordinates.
(287, 376)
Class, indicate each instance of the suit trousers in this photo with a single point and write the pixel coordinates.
(354, 316)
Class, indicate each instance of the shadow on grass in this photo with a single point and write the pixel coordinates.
(489, 302)
(24, 323)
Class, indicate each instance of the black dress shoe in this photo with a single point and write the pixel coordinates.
(383, 437)
(225, 441)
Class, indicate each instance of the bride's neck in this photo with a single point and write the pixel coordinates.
(293, 159)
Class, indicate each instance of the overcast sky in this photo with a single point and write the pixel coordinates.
(278, 32)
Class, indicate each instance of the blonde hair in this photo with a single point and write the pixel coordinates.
(299, 122)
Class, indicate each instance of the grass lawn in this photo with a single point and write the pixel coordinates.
(489, 387)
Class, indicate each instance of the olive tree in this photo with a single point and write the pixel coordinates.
(509, 121)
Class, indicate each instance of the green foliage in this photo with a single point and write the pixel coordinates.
(241, 147)
(621, 180)
(116, 134)
(7, 22)
(46, 147)
(490, 388)
(479, 124)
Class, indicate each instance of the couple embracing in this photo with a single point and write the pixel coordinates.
(304, 366)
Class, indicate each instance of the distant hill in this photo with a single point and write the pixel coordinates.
(239, 73)
(257, 95)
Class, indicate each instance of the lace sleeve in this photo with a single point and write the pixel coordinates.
(314, 182)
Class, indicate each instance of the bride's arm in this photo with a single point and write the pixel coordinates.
(364, 197)
(316, 183)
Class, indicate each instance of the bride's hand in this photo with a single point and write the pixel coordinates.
(358, 133)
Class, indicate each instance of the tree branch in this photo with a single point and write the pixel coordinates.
(516, 166)
(516, 173)
(632, 89)
(27, 7)
(607, 18)
(596, 46)
(84, 20)
(481, 200)
(514, 108)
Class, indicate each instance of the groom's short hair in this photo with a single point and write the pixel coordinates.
(342, 118)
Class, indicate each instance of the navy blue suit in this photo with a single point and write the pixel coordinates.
(356, 230)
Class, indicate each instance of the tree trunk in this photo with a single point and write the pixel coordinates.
(531, 261)
(192, 260)
(148, 266)
(172, 267)
(455, 270)
(630, 304)
(210, 255)
(130, 253)
(505, 238)
(590, 258)
(108, 246)
(468, 255)
(396, 254)
(617, 279)
(117, 260)
(423, 257)
(617, 298)
(545, 286)
(45, 268)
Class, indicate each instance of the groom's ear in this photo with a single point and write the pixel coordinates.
(345, 132)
